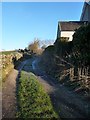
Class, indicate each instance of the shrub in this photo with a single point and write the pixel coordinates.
(81, 43)
(63, 47)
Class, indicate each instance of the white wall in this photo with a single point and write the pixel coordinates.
(67, 34)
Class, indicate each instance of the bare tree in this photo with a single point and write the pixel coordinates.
(33, 47)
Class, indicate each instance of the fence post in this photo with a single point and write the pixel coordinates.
(71, 74)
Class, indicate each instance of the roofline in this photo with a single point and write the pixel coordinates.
(72, 21)
(68, 30)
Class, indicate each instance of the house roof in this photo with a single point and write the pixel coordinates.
(70, 25)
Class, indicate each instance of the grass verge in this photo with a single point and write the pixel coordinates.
(6, 71)
(33, 101)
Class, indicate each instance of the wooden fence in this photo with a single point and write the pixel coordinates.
(80, 75)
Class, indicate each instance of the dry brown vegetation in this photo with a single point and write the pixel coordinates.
(7, 63)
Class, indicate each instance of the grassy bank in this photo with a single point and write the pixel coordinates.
(7, 52)
(32, 100)
(6, 71)
(7, 62)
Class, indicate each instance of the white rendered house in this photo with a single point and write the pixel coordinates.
(66, 29)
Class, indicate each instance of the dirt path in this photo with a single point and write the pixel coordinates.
(66, 103)
(9, 93)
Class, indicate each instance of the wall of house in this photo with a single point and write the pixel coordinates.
(58, 33)
(89, 12)
(86, 13)
(67, 34)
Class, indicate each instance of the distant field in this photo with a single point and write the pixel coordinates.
(7, 52)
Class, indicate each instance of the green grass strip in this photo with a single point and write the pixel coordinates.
(33, 101)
